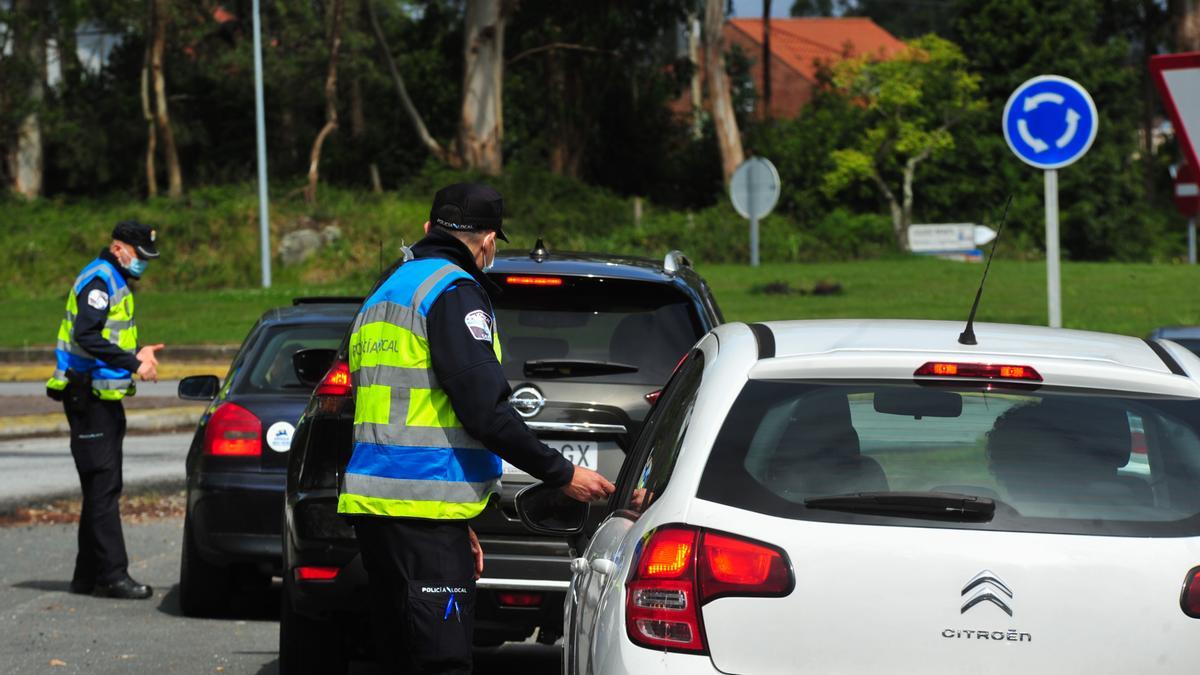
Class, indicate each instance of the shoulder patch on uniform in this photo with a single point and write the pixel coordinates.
(98, 299)
(480, 325)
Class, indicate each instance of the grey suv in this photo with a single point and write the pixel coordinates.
(588, 341)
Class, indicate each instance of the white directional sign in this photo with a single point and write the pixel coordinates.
(1050, 121)
(754, 190)
(948, 237)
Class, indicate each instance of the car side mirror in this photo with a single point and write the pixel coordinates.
(546, 510)
(199, 388)
(312, 364)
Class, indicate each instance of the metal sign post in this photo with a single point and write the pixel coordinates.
(754, 191)
(260, 129)
(1050, 122)
(1187, 200)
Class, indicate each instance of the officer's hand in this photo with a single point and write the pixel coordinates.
(587, 486)
(477, 551)
(147, 353)
(148, 371)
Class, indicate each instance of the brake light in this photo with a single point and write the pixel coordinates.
(680, 569)
(233, 431)
(533, 281)
(310, 573)
(519, 599)
(1190, 599)
(985, 371)
(652, 397)
(336, 382)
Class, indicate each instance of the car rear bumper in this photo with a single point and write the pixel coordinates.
(236, 517)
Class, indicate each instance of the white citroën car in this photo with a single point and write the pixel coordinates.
(873, 496)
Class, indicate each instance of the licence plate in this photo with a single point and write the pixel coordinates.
(580, 453)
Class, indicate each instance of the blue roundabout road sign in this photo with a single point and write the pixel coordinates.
(1050, 121)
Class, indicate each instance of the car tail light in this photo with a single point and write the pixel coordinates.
(652, 397)
(985, 371)
(533, 281)
(310, 573)
(680, 569)
(233, 431)
(519, 599)
(336, 382)
(1190, 599)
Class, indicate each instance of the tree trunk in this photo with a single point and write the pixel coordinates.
(26, 160)
(1187, 25)
(697, 87)
(567, 138)
(729, 140)
(162, 117)
(358, 131)
(68, 48)
(151, 135)
(331, 116)
(766, 60)
(899, 226)
(481, 124)
(410, 110)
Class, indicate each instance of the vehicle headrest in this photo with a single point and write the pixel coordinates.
(1088, 435)
(820, 426)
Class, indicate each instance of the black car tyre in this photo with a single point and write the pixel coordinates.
(204, 588)
(308, 645)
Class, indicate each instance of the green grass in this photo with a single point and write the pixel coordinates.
(1128, 298)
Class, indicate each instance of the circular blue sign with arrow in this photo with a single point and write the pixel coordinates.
(1050, 121)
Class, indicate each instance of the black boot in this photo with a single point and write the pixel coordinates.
(125, 589)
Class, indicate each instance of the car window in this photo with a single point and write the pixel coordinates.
(643, 328)
(1053, 460)
(1191, 345)
(270, 366)
(659, 445)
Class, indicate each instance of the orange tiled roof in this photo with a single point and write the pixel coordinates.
(800, 42)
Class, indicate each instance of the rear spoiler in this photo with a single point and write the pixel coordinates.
(328, 300)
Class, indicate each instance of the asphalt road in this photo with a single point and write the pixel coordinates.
(161, 389)
(42, 467)
(44, 629)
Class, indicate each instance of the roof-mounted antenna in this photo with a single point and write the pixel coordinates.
(967, 337)
(539, 251)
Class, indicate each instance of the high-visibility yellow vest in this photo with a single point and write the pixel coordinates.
(108, 383)
(412, 458)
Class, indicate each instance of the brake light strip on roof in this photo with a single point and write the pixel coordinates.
(978, 371)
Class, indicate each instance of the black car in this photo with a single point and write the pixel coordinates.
(588, 341)
(236, 465)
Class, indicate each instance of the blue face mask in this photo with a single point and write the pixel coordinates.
(137, 267)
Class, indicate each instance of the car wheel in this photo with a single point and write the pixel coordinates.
(308, 645)
(204, 588)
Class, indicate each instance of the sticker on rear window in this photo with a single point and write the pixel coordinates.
(480, 325)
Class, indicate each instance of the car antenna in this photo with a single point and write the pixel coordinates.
(967, 337)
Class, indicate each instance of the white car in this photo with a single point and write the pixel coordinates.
(873, 496)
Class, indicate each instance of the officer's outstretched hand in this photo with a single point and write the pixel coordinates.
(148, 370)
(587, 486)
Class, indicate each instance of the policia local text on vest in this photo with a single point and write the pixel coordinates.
(96, 358)
(431, 415)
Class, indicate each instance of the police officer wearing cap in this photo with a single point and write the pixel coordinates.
(432, 421)
(96, 358)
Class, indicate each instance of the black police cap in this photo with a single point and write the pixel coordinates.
(468, 207)
(138, 235)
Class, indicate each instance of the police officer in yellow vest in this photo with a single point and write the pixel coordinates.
(431, 416)
(96, 358)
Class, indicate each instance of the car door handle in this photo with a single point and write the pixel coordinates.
(579, 566)
(603, 566)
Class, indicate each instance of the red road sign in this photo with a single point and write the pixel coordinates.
(1177, 77)
(1187, 190)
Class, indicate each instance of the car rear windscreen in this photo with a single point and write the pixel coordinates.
(1050, 460)
(600, 330)
(270, 366)
(1192, 345)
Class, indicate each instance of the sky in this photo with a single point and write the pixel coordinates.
(755, 7)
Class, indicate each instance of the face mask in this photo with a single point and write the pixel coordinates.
(136, 267)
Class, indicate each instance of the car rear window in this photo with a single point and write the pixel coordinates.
(647, 327)
(1052, 460)
(1191, 345)
(268, 370)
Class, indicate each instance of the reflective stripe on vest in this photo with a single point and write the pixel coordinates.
(108, 383)
(412, 457)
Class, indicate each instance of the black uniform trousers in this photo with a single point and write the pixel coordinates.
(422, 581)
(97, 431)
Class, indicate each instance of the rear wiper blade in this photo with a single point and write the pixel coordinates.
(931, 505)
(575, 368)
